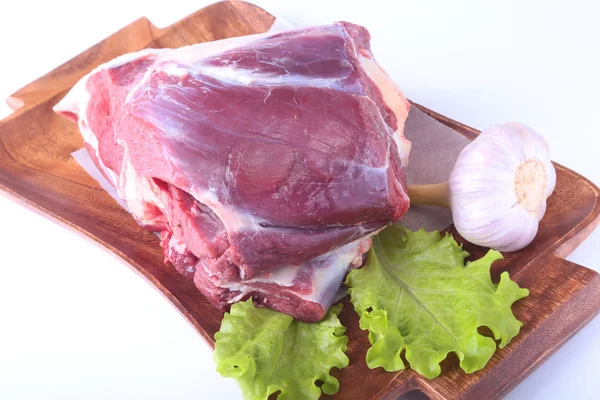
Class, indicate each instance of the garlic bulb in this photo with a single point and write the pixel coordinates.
(499, 186)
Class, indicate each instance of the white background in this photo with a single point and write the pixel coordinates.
(77, 323)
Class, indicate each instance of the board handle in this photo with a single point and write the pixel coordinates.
(52, 86)
(246, 17)
(215, 22)
(14, 104)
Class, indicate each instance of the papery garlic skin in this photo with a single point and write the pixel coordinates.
(499, 186)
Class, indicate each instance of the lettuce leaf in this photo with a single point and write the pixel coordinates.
(415, 294)
(266, 351)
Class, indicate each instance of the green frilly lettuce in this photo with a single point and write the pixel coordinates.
(266, 352)
(415, 294)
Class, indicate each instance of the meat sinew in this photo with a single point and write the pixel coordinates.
(265, 162)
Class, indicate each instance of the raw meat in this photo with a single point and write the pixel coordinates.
(265, 162)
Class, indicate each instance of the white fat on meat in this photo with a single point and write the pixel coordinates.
(233, 219)
(190, 55)
(394, 99)
(138, 191)
(335, 265)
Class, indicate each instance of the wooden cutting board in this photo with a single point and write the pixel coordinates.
(36, 167)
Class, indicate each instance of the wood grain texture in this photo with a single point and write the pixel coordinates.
(36, 167)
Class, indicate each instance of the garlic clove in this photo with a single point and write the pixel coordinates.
(499, 186)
